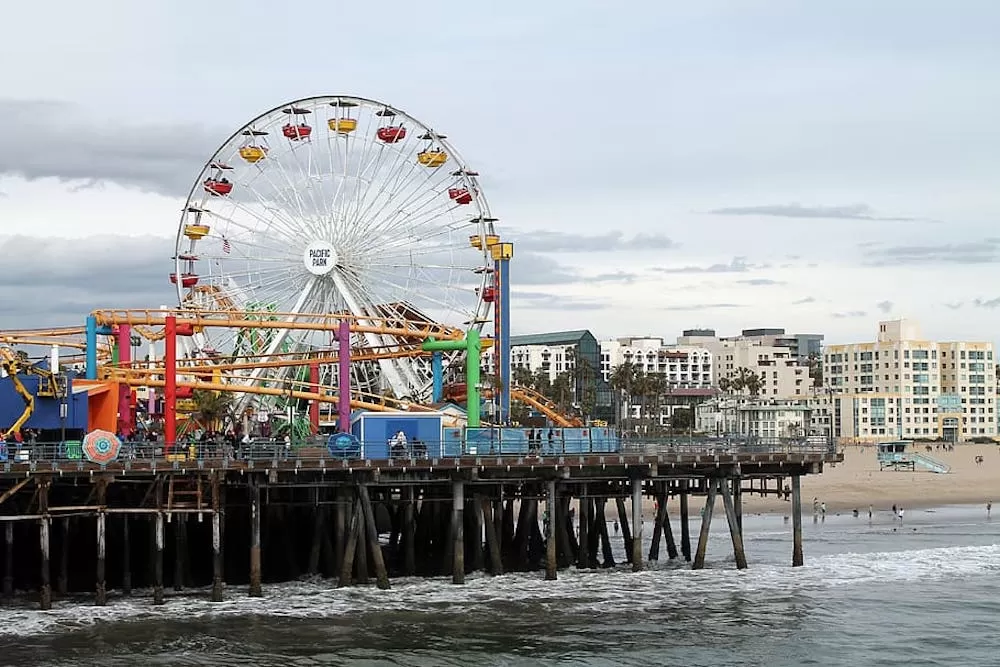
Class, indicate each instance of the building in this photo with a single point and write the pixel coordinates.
(904, 386)
(575, 353)
(764, 419)
(779, 361)
(684, 373)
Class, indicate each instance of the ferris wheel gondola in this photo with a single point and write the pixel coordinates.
(334, 204)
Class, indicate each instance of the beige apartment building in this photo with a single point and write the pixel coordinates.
(903, 386)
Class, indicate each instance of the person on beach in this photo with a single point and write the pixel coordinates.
(815, 505)
(900, 514)
(870, 508)
(822, 510)
(989, 508)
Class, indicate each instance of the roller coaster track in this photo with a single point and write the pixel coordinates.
(142, 320)
(529, 397)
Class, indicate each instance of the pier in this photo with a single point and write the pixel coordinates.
(238, 524)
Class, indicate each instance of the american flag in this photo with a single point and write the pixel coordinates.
(225, 245)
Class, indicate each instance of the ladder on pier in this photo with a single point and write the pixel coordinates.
(186, 493)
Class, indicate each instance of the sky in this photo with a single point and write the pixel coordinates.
(661, 166)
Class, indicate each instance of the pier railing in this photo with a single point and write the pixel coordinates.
(160, 454)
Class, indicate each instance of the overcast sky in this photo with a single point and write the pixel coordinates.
(811, 165)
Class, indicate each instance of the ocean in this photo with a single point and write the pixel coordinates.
(926, 592)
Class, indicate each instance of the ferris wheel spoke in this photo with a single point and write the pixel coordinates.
(287, 234)
(306, 222)
(403, 166)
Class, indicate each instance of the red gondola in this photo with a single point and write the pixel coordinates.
(187, 279)
(460, 195)
(217, 187)
(390, 134)
(296, 132)
(184, 392)
(489, 294)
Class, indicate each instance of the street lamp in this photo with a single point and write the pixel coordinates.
(63, 409)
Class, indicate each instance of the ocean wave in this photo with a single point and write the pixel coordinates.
(617, 590)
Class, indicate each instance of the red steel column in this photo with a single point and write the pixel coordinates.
(170, 384)
(125, 427)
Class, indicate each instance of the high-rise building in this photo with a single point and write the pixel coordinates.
(903, 385)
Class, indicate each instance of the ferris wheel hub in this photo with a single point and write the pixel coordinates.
(320, 257)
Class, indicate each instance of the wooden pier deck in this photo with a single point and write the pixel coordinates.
(229, 522)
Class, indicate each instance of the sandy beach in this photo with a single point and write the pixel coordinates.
(858, 483)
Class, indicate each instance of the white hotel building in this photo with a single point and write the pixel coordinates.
(903, 386)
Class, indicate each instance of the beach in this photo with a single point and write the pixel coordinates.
(858, 482)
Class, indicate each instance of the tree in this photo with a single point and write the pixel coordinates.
(561, 392)
(725, 385)
(623, 380)
(212, 408)
(682, 419)
(746, 380)
(815, 363)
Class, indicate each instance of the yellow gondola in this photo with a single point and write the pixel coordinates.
(196, 232)
(342, 125)
(434, 158)
(253, 154)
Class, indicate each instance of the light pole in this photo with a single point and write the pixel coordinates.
(63, 409)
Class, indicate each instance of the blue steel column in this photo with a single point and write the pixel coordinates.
(502, 268)
(91, 333)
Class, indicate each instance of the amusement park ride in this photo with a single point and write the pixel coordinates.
(318, 251)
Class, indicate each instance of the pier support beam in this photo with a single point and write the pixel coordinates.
(409, 532)
(734, 527)
(126, 557)
(636, 524)
(158, 559)
(62, 579)
(492, 537)
(350, 548)
(44, 583)
(381, 575)
(797, 560)
(550, 533)
(583, 517)
(180, 549)
(626, 533)
(44, 587)
(458, 532)
(255, 577)
(8, 575)
(685, 527)
(216, 541)
(101, 596)
(706, 525)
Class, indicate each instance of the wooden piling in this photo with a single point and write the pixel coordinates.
(339, 529)
(62, 579)
(361, 570)
(126, 557)
(216, 541)
(607, 553)
(738, 502)
(381, 574)
(706, 524)
(319, 529)
(44, 523)
(8, 575)
(668, 530)
(636, 524)
(158, 559)
(626, 533)
(583, 518)
(654, 544)
(350, 547)
(797, 559)
(458, 532)
(685, 525)
(474, 514)
(101, 595)
(734, 528)
(255, 573)
(492, 538)
(550, 537)
(409, 532)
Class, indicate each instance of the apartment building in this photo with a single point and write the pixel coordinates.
(903, 385)
(771, 355)
(682, 366)
(766, 419)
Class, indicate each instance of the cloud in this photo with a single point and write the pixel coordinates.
(704, 306)
(844, 212)
(848, 314)
(884, 306)
(53, 281)
(804, 300)
(532, 268)
(736, 265)
(761, 282)
(553, 241)
(954, 305)
(613, 277)
(982, 252)
(987, 303)
(546, 301)
(45, 139)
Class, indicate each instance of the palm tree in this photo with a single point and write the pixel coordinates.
(725, 385)
(623, 381)
(212, 408)
(561, 391)
(656, 387)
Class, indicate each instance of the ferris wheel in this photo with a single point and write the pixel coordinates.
(337, 205)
